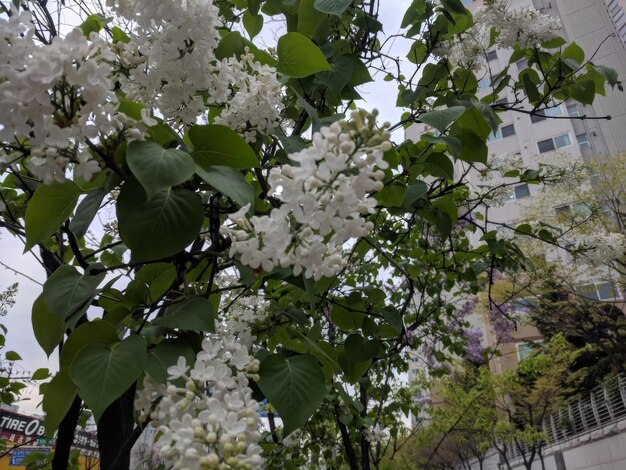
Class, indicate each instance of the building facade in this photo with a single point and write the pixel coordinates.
(598, 27)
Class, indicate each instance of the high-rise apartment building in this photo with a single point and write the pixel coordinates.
(598, 27)
(617, 11)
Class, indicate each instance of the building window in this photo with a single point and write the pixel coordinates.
(523, 304)
(553, 143)
(502, 132)
(526, 348)
(508, 130)
(492, 55)
(562, 141)
(521, 191)
(542, 114)
(583, 141)
(572, 110)
(521, 64)
(599, 291)
(483, 83)
(518, 192)
(576, 209)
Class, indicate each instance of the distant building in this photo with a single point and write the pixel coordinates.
(25, 435)
(617, 11)
(599, 27)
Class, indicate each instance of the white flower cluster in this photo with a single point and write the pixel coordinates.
(56, 96)
(170, 63)
(602, 247)
(243, 315)
(256, 105)
(170, 56)
(376, 434)
(467, 49)
(525, 27)
(507, 162)
(211, 421)
(295, 439)
(323, 199)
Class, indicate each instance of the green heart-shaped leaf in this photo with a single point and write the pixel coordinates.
(295, 386)
(67, 293)
(299, 57)
(58, 396)
(47, 327)
(161, 227)
(196, 314)
(103, 374)
(219, 145)
(229, 182)
(332, 7)
(158, 168)
(49, 208)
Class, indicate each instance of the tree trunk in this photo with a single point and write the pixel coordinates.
(543, 464)
(365, 444)
(347, 442)
(65, 436)
(114, 429)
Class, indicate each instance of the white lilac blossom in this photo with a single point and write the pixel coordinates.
(170, 57)
(243, 315)
(323, 196)
(504, 163)
(525, 27)
(170, 63)
(256, 105)
(376, 434)
(602, 247)
(56, 96)
(205, 415)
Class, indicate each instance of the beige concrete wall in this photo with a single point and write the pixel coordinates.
(588, 23)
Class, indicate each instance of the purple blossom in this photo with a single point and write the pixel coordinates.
(474, 351)
(501, 325)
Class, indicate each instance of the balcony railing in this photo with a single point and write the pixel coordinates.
(604, 405)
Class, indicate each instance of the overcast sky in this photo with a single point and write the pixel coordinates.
(379, 94)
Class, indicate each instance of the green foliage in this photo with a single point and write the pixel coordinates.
(160, 227)
(299, 57)
(158, 168)
(229, 182)
(195, 314)
(103, 373)
(47, 327)
(86, 211)
(51, 205)
(332, 7)
(294, 385)
(67, 293)
(219, 145)
(58, 396)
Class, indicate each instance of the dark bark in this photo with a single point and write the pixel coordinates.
(365, 445)
(114, 430)
(347, 442)
(65, 436)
